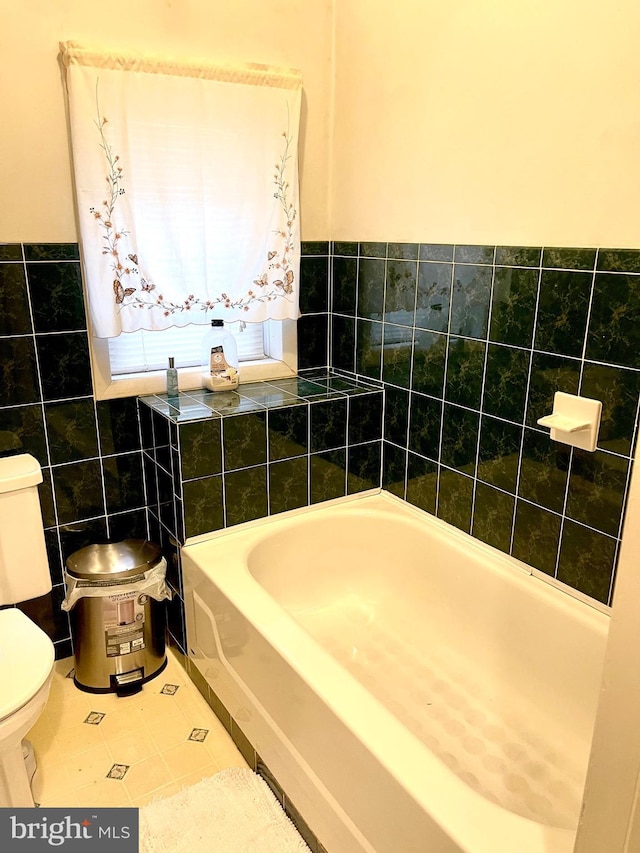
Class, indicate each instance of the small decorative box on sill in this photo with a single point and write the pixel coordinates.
(575, 420)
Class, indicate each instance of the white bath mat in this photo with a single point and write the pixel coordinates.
(231, 812)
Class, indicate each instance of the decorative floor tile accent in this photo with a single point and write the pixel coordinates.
(118, 771)
(198, 735)
(94, 718)
(170, 689)
(150, 737)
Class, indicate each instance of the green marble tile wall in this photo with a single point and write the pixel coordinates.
(471, 342)
(89, 452)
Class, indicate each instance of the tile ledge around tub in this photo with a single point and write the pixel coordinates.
(309, 386)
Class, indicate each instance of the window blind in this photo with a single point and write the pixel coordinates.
(142, 351)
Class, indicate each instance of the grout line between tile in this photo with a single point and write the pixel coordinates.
(446, 368)
(526, 406)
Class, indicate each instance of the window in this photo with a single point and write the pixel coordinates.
(187, 199)
(144, 351)
(133, 367)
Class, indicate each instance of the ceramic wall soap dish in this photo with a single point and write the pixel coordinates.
(575, 420)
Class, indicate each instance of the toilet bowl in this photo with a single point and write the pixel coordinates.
(26, 670)
(26, 652)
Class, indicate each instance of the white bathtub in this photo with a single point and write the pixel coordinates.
(412, 690)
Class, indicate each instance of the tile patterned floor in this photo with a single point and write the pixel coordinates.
(101, 750)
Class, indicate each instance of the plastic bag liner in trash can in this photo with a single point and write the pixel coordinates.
(152, 582)
(113, 596)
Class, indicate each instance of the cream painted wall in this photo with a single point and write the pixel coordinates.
(472, 121)
(35, 177)
(488, 121)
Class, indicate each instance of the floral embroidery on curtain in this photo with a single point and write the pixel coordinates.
(186, 188)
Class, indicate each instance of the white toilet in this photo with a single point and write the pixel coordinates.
(26, 652)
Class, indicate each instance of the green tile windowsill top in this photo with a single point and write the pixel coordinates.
(309, 386)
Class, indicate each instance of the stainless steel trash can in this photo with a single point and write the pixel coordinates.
(118, 628)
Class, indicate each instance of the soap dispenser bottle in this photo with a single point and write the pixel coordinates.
(220, 364)
(172, 379)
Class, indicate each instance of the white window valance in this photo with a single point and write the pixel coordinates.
(186, 182)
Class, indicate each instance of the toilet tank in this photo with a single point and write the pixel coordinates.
(24, 567)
